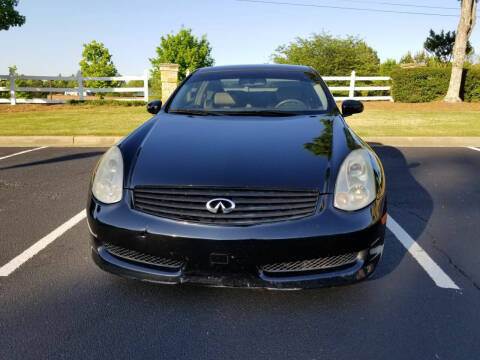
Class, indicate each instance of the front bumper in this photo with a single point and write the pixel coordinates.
(233, 256)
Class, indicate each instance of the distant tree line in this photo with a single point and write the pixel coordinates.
(329, 55)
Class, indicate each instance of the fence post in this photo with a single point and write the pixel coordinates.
(145, 85)
(13, 95)
(80, 85)
(351, 92)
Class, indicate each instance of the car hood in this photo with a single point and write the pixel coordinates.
(237, 151)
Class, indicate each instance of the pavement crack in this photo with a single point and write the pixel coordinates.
(411, 212)
(436, 246)
(452, 263)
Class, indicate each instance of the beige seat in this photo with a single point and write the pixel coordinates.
(223, 100)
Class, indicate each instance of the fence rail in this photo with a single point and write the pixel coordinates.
(80, 89)
(353, 78)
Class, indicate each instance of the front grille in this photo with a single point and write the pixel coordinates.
(311, 264)
(137, 256)
(252, 206)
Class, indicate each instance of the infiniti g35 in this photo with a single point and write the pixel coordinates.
(247, 176)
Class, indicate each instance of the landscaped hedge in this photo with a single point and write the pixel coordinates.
(471, 88)
(107, 102)
(430, 84)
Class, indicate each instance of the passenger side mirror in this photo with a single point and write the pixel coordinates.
(350, 107)
(153, 107)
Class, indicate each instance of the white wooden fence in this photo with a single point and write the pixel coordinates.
(80, 89)
(353, 78)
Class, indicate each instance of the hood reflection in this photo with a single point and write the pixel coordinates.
(322, 145)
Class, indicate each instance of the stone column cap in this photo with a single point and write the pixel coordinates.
(168, 67)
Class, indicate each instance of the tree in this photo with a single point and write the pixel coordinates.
(9, 16)
(97, 61)
(420, 57)
(184, 49)
(387, 67)
(465, 27)
(329, 55)
(441, 45)
(407, 59)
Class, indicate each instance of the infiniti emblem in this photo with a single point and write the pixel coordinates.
(222, 206)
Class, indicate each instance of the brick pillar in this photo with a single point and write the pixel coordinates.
(169, 76)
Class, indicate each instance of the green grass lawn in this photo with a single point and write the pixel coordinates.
(94, 120)
(414, 123)
(377, 120)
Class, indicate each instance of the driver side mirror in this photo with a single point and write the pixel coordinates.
(153, 107)
(350, 107)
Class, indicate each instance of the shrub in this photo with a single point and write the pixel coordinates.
(471, 86)
(419, 84)
(107, 102)
(429, 84)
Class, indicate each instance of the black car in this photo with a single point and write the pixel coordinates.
(247, 176)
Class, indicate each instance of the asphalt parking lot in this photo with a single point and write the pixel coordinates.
(422, 303)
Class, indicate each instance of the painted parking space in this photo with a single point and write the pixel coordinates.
(424, 260)
(39, 191)
(86, 313)
(57, 303)
(434, 195)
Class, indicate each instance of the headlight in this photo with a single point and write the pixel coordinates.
(108, 182)
(355, 186)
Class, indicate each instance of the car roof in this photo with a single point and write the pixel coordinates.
(267, 67)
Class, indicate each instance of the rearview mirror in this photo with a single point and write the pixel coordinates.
(153, 107)
(252, 82)
(350, 107)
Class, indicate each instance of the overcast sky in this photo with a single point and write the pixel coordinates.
(51, 40)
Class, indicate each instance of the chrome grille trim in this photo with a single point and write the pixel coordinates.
(311, 264)
(137, 256)
(253, 206)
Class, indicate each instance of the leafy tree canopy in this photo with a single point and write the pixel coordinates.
(97, 61)
(329, 55)
(388, 66)
(441, 45)
(9, 16)
(184, 49)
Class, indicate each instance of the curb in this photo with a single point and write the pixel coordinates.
(104, 141)
(59, 141)
(423, 141)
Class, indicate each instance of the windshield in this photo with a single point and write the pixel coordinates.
(239, 93)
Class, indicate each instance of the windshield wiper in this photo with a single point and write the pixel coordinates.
(259, 113)
(194, 112)
(271, 113)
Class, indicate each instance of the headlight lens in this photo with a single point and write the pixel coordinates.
(355, 186)
(108, 182)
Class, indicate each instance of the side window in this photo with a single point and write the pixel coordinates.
(191, 94)
(321, 95)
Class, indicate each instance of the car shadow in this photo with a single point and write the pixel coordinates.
(408, 202)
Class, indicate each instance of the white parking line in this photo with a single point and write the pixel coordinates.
(426, 262)
(440, 278)
(22, 152)
(41, 244)
(473, 148)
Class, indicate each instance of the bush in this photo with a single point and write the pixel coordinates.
(471, 87)
(419, 84)
(416, 85)
(107, 102)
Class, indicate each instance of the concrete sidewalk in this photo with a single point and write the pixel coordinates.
(104, 141)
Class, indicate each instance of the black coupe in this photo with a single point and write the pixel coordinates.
(247, 176)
